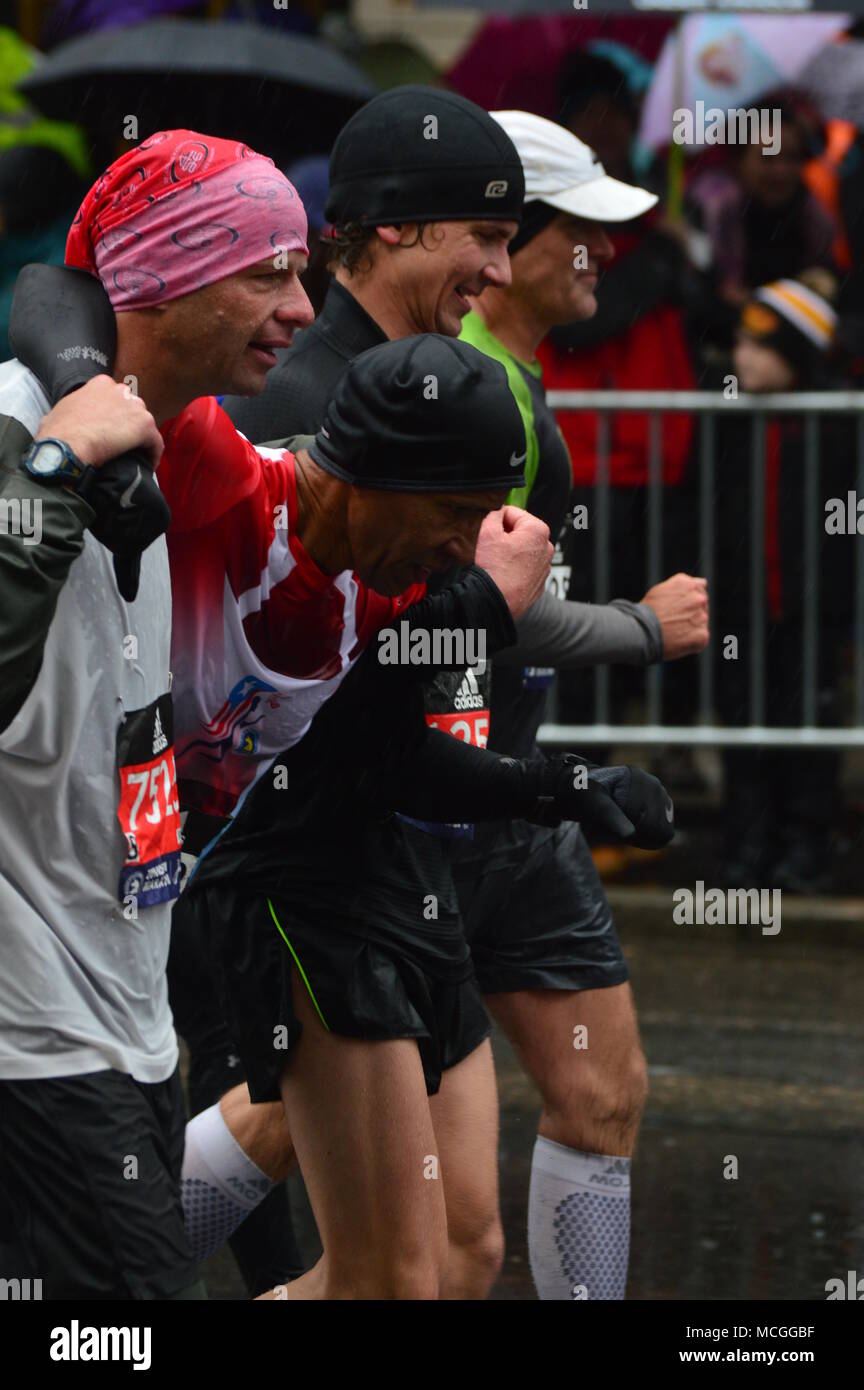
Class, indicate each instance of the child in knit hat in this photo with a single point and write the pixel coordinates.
(780, 802)
(785, 334)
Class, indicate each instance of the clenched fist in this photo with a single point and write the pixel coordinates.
(681, 604)
(101, 420)
(514, 549)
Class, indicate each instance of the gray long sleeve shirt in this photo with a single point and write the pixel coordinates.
(567, 634)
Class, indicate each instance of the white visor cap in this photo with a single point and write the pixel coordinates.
(565, 173)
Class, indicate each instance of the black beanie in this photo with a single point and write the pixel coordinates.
(423, 414)
(421, 154)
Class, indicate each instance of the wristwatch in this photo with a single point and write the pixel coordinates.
(52, 461)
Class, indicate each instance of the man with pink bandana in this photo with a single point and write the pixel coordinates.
(198, 243)
(179, 215)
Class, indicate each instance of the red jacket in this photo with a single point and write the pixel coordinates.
(652, 355)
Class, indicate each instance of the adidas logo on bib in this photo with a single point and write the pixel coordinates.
(159, 739)
(468, 695)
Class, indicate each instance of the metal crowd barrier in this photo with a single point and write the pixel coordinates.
(706, 731)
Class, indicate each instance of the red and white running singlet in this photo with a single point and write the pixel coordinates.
(261, 637)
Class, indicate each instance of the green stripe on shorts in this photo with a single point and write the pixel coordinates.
(297, 963)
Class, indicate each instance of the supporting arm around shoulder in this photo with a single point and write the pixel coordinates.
(471, 603)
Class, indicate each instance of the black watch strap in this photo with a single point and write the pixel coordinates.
(85, 482)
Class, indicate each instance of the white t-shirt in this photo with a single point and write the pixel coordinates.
(82, 967)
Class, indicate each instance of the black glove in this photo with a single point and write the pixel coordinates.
(62, 327)
(130, 514)
(612, 803)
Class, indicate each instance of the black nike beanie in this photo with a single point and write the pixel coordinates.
(424, 414)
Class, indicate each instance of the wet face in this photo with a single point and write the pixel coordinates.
(222, 338)
(544, 274)
(761, 368)
(399, 538)
(436, 274)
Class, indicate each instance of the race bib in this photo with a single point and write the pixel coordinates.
(558, 582)
(148, 809)
(457, 702)
(471, 727)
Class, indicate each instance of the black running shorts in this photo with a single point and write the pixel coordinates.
(90, 1170)
(535, 911)
(375, 989)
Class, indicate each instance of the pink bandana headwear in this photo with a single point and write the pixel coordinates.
(180, 211)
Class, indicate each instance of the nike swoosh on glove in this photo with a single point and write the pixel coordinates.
(131, 512)
(623, 804)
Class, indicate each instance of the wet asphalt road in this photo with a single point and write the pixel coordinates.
(756, 1050)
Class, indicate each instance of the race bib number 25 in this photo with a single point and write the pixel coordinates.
(148, 809)
(471, 727)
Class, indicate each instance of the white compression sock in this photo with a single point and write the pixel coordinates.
(578, 1223)
(219, 1184)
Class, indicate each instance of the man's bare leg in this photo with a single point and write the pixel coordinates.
(261, 1131)
(359, 1116)
(593, 1098)
(465, 1121)
(465, 1118)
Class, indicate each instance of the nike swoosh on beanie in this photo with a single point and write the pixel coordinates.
(423, 414)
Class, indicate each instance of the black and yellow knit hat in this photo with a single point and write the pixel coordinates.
(793, 319)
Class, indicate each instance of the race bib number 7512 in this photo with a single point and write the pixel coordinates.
(148, 809)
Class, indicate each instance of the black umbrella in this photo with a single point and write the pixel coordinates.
(287, 93)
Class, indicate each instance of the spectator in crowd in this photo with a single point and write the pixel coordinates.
(761, 219)
(779, 803)
(637, 340)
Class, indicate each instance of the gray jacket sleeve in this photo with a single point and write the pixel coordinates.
(33, 567)
(567, 634)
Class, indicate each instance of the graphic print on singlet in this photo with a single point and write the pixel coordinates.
(262, 637)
